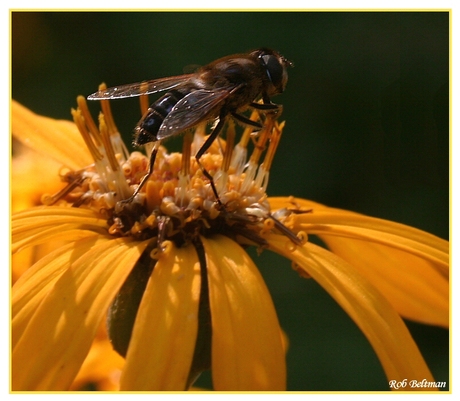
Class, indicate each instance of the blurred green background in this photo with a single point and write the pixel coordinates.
(367, 112)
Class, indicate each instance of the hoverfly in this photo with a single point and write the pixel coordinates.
(215, 92)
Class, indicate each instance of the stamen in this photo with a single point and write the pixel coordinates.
(169, 189)
(230, 138)
(239, 159)
(153, 194)
(177, 202)
(114, 178)
(167, 247)
(250, 173)
(269, 224)
(117, 142)
(80, 123)
(49, 200)
(107, 143)
(186, 153)
(144, 99)
(198, 138)
(302, 236)
(241, 149)
(274, 141)
(89, 122)
(221, 176)
(262, 177)
(264, 169)
(248, 130)
(155, 254)
(169, 207)
(262, 140)
(290, 246)
(107, 111)
(252, 166)
(184, 173)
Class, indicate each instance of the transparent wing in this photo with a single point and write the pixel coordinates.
(195, 107)
(140, 88)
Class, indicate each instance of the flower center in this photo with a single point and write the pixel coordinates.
(178, 200)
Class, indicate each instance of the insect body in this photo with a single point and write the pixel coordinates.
(217, 91)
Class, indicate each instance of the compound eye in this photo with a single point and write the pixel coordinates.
(275, 71)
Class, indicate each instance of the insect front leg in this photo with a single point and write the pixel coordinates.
(246, 121)
(265, 106)
(268, 108)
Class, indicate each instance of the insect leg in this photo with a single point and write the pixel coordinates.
(246, 121)
(211, 138)
(163, 222)
(286, 231)
(265, 106)
(147, 175)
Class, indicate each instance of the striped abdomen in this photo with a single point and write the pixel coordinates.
(147, 128)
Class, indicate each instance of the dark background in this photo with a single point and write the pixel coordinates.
(367, 111)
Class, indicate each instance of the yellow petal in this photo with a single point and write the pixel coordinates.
(43, 224)
(376, 234)
(57, 139)
(32, 175)
(101, 367)
(163, 340)
(20, 262)
(43, 214)
(331, 221)
(290, 202)
(55, 342)
(36, 282)
(247, 349)
(409, 266)
(414, 288)
(380, 323)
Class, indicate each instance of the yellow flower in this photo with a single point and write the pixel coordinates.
(170, 268)
(33, 174)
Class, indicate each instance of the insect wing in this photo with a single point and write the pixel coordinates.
(190, 110)
(140, 88)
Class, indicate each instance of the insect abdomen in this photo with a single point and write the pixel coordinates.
(147, 128)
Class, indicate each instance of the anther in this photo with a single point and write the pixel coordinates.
(274, 141)
(49, 200)
(107, 111)
(82, 128)
(88, 119)
(107, 143)
(144, 99)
